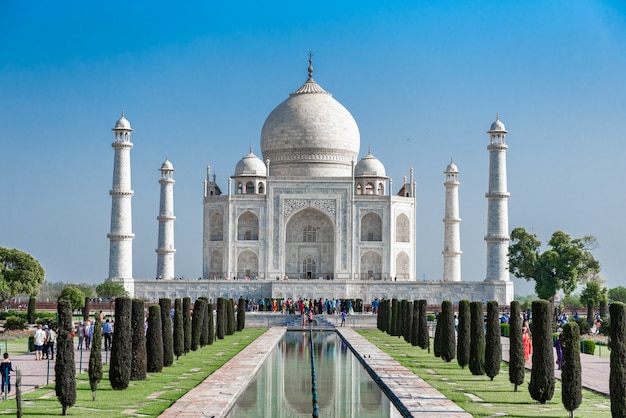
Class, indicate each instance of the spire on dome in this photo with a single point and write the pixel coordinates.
(250, 148)
(369, 150)
(310, 65)
(310, 86)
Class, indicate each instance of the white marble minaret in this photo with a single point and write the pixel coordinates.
(497, 237)
(165, 251)
(121, 235)
(452, 227)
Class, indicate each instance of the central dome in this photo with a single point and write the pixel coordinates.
(310, 134)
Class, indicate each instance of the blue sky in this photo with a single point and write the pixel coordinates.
(423, 80)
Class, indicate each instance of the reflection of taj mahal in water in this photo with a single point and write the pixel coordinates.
(313, 215)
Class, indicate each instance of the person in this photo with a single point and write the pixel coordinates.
(310, 317)
(107, 330)
(51, 338)
(527, 341)
(80, 333)
(559, 352)
(88, 334)
(344, 314)
(38, 341)
(5, 370)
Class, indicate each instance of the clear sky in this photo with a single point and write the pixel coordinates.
(197, 79)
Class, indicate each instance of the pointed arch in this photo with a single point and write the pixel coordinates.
(371, 266)
(309, 242)
(371, 227)
(216, 264)
(248, 227)
(247, 264)
(403, 228)
(216, 229)
(403, 266)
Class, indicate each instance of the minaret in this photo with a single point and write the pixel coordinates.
(497, 237)
(165, 251)
(121, 235)
(452, 223)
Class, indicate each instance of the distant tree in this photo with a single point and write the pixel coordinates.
(65, 369)
(448, 337)
(617, 346)
(95, 357)
(211, 339)
(196, 323)
(187, 323)
(20, 273)
(221, 318)
(592, 295)
(179, 333)
(542, 381)
(617, 294)
(32, 309)
(241, 314)
(423, 338)
(493, 349)
(563, 266)
(571, 393)
(477, 338)
(415, 323)
(572, 302)
(86, 308)
(138, 342)
(154, 340)
(464, 334)
(517, 363)
(604, 309)
(110, 290)
(395, 309)
(168, 339)
(230, 323)
(121, 351)
(87, 289)
(74, 296)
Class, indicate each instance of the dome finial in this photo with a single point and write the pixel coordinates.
(369, 150)
(310, 65)
(497, 116)
(250, 148)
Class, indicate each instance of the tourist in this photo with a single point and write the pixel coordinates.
(39, 340)
(344, 314)
(527, 341)
(51, 338)
(107, 331)
(5, 370)
(88, 334)
(80, 333)
(559, 352)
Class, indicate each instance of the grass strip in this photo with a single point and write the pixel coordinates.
(478, 395)
(143, 398)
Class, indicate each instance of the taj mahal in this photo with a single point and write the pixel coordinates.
(311, 219)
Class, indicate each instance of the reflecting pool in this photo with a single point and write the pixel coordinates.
(282, 388)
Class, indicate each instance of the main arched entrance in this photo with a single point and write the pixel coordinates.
(309, 245)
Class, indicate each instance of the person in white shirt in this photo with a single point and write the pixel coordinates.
(39, 340)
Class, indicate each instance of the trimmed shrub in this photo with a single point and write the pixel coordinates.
(187, 323)
(241, 314)
(617, 345)
(65, 369)
(14, 323)
(447, 337)
(221, 318)
(395, 309)
(211, 320)
(571, 388)
(517, 363)
(423, 339)
(437, 341)
(230, 321)
(408, 321)
(32, 309)
(588, 347)
(583, 326)
(431, 317)
(154, 340)
(402, 319)
(542, 381)
(204, 334)
(122, 349)
(477, 338)
(95, 357)
(138, 362)
(493, 349)
(179, 333)
(415, 323)
(196, 323)
(505, 330)
(463, 338)
(168, 338)
(605, 325)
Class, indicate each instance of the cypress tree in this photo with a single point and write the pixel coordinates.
(571, 394)
(196, 323)
(221, 321)
(517, 364)
(95, 357)
(154, 340)
(204, 334)
(542, 381)
(408, 323)
(179, 334)
(65, 369)
(493, 347)
(617, 345)
(415, 323)
(121, 352)
(86, 309)
(402, 318)
(32, 310)
(447, 338)
(437, 341)
(138, 363)
(187, 323)
(168, 338)
(395, 309)
(423, 338)
(211, 320)
(241, 314)
(477, 338)
(464, 334)
(230, 324)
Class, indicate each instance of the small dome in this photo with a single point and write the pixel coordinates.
(123, 123)
(497, 126)
(167, 165)
(369, 166)
(452, 168)
(250, 165)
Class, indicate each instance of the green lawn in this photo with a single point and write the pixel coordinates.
(477, 394)
(148, 397)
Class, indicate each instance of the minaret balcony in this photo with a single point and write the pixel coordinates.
(121, 193)
(120, 237)
(497, 195)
